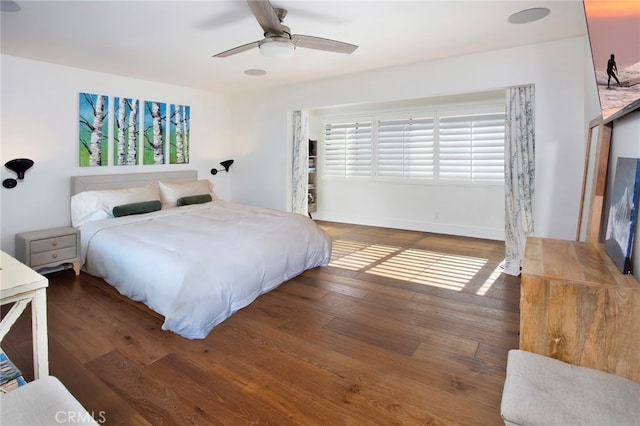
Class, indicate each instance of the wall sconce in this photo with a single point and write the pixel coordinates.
(226, 164)
(19, 166)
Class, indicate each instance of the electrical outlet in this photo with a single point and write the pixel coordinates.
(437, 215)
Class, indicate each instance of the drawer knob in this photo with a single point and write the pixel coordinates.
(55, 243)
(55, 255)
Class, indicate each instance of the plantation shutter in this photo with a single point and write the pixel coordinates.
(471, 148)
(347, 149)
(406, 148)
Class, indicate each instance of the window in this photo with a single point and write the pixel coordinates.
(471, 148)
(347, 149)
(406, 148)
(439, 145)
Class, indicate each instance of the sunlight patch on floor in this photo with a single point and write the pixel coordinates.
(356, 256)
(430, 268)
(424, 267)
(489, 281)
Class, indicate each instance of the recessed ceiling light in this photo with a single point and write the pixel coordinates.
(529, 15)
(255, 72)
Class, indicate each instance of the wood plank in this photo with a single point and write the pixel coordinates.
(157, 401)
(219, 394)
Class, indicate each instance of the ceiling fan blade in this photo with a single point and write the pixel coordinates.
(326, 44)
(238, 49)
(266, 16)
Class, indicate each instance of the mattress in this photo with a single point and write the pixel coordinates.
(198, 264)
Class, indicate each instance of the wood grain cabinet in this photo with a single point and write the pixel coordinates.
(49, 247)
(576, 306)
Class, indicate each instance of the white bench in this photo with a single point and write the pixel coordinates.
(42, 402)
(539, 390)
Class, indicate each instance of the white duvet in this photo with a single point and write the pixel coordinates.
(196, 265)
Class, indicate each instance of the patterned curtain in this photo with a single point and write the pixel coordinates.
(300, 162)
(519, 175)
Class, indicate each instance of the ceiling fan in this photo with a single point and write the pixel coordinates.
(278, 41)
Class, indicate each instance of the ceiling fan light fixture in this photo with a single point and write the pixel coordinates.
(277, 48)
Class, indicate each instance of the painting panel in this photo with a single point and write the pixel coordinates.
(155, 128)
(623, 212)
(179, 134)
(126, 138)
(93, 129)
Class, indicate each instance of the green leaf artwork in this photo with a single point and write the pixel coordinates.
(155, 123)
(127, 134)
(179, 134)
(93, 120)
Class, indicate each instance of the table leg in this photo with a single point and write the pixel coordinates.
(40, 342)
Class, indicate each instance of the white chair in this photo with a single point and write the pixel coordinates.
(42, 402)
(539, 390)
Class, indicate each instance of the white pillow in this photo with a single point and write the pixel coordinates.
(95, 205)
(171, 191)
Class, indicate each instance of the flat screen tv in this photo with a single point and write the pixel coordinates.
(614, 35)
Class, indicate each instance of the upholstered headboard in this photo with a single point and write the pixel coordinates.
(128, 180)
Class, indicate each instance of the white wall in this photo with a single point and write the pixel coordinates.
(40, 121)
(557, 69)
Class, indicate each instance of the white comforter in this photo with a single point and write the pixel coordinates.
(196, 265)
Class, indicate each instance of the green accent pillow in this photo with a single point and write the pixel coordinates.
(137, 208)
(194, 199)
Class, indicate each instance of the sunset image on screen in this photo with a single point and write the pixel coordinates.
(614, 34)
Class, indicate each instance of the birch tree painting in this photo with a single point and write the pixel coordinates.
(126, 138)
(179, 134)
(93, 129)
(155, 117)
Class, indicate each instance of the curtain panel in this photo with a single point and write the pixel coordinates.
(519, 175)
(299, 203)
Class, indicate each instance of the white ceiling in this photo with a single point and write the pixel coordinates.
(173, 41)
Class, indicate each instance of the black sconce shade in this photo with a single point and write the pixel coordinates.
(19, 166)
(226, 164)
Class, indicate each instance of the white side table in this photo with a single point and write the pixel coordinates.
(20, 285)
(49, 247)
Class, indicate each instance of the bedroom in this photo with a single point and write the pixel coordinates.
(560, 69)
(260, 174)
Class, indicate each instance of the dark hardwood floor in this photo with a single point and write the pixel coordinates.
(402, 328)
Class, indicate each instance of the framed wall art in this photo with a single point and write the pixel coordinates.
(594, 180)
(155, 129)
(623, 212)
(93, 133)
(126, 138)
(179, 134)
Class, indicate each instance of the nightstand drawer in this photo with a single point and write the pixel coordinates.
(51, 256)
(55, 243)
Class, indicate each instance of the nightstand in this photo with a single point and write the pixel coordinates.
(49, 247)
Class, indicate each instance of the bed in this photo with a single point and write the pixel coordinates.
(166, 240)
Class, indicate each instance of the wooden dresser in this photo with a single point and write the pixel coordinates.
(576, 306)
